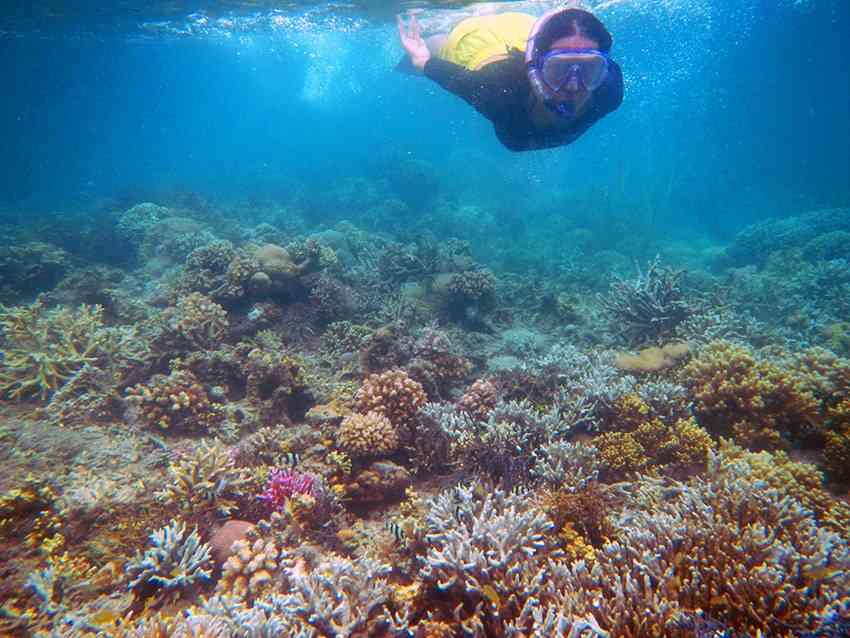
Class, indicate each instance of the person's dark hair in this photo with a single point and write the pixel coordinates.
(574, 22)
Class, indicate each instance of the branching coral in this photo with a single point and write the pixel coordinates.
(204, 480)
(43, 348)
(197, 321)
(566, 466)
(339, 596)
(480, 399)
(175, 562)
(748, 555)
(486, 550)
(251, 568)
(653, 443)
(649, 307)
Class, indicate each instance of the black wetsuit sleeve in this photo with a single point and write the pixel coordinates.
(490, 91)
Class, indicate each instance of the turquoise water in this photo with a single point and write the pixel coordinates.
(733, 111)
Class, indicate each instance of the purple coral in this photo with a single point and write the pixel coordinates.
(282, 484)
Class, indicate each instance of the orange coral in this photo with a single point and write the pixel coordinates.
(392, 394)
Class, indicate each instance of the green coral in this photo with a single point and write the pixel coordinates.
(44, 347)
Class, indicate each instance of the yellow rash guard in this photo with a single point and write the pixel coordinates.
(484, 39)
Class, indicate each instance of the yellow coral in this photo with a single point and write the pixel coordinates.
(652, 359)
(575, 545)
(365, 435)
(44, 348)
(732, 388)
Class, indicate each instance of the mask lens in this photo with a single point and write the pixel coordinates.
(560, 66)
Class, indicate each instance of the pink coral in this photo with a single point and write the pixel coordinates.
(283, 484)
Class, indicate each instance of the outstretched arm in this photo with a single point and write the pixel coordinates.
(413, 43)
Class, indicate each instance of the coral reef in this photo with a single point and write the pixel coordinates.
(43, 348)
(395, 433)
(763, 404)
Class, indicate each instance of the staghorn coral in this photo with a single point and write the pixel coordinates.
(566, 466)
(367, 435)
(338, 597)
(485, 551)
(836, 453)
(756, 399)
(803, 481)
(162, 626)
(43, 348)
(177, 403)
(392, 394)
(204, 480)
(175, 562)
(503, 445)
(649, 307)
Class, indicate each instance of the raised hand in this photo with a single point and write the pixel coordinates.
(411, 40)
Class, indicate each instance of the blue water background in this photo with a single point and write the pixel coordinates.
(734, 111)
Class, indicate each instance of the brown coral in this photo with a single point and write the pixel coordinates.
(174, 402)
(735, 392)
(480, 399)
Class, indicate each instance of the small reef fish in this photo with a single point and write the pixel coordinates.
(291, 459)
(397, 531)
(401, 531)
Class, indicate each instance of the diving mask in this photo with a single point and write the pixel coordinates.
(559, 66)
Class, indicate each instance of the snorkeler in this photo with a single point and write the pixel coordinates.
(541, 82)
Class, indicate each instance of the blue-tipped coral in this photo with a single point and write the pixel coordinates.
(176, 562)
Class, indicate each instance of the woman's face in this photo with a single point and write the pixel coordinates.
(574, 92)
